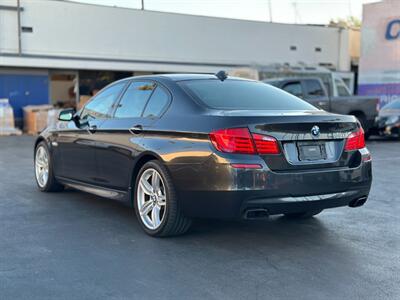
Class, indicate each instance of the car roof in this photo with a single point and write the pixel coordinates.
(180, 77)
(280, 79)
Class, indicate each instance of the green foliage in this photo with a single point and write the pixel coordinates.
(349, 22)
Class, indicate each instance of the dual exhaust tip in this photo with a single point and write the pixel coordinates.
(256, 214)
(262, 213)
(358, 202)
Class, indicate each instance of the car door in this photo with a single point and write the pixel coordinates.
(119, 138)
(76, 143)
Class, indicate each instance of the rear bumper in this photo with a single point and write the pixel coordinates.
(233, 205)
(216, 190)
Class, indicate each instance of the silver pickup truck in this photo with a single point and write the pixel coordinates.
(313, 91)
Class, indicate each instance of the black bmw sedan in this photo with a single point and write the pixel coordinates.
(185, 146)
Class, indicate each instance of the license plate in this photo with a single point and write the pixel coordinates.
(311, 151)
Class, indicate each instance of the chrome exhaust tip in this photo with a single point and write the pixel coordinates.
(358, 202)
(256, 214)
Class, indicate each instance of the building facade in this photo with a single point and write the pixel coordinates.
(73, 48)
(379, 71)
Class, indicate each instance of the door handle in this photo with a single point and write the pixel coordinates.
(92, 129)
(136, 129)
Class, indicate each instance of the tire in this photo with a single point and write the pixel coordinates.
(157, 209)
(49, 184)
(304, 215)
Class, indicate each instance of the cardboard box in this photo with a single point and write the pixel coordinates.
(35, 118)
(7, 125)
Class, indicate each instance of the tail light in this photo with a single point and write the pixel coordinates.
(240, 140)
(266, 144)
(235, 140)
(355, 140)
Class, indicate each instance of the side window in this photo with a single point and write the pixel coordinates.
(314, 88)
(341, 89)
(100, 106)
(134, 99)
(294, 88)
(158, 101)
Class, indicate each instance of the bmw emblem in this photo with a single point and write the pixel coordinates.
(315, 130)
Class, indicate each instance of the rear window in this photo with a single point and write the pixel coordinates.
(314, 88)
(242, 94)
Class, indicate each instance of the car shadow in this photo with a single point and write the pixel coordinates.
(279, 228)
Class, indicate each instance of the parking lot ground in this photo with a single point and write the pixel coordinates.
(73, 245)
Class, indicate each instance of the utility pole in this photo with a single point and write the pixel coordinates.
(297, 17)
(270, 10)
(19, 26)
(142, 5)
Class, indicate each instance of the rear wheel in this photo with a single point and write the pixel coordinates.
(304, 215)
(156, 203)
(44, 173)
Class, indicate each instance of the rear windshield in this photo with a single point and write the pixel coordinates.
(242, 94)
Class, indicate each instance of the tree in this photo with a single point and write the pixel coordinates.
(349, 22)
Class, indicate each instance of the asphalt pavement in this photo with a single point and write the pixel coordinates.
(73, 245)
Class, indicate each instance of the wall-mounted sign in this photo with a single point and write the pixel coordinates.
(393, 30)
(379, 69)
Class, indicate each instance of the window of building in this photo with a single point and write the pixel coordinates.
(26, 29)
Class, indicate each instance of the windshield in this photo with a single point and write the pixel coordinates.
(392, 105)
(243, 95)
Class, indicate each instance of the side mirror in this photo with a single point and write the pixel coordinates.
(66, 115)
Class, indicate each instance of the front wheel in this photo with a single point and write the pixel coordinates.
(156, 203)
(304, 215)
(44, 173)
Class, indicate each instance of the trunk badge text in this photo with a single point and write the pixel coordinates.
(315, 130)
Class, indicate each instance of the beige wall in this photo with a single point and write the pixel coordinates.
(354, 45)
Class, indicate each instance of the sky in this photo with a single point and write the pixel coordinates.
(283, 11)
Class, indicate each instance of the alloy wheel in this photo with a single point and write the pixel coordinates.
(151, 199)
(41, 166)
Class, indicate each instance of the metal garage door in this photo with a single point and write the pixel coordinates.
(24, 89)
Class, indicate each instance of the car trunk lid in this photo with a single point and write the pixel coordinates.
(308, 140)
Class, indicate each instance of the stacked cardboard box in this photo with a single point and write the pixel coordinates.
(35, 118)
(7, 119)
